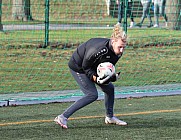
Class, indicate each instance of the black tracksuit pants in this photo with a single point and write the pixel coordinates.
(89, 89)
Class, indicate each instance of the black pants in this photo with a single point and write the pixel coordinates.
(121, 11)
(90, 95)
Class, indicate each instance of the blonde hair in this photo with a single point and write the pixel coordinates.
(119, 33)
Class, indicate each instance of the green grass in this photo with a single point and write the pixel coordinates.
(27, 69)
(77, 12)
(152, 56)
(72, 38)
(61, 11)
(152, 118)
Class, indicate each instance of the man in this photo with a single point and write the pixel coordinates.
(83, 65)
(159, 9)
(121, 11)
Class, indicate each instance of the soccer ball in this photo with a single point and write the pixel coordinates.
(105, 69)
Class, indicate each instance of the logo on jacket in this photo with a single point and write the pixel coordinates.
(108, 56)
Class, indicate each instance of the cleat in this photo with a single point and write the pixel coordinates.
(156, 26)
(114, 120)
(118, 24)
(132, 24)
(62, 121)
(166, 24)
(139, 25)
(149, 26)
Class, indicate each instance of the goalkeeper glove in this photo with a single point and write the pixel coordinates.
(103, 79)
(106, 79)
(115, 77)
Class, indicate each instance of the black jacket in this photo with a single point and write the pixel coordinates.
(90, 54)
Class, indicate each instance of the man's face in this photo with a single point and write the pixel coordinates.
(118, 46)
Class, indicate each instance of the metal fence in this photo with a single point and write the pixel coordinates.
(35, 45)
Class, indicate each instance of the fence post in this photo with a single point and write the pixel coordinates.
(47, 6)
(125, 15)
(1, 26)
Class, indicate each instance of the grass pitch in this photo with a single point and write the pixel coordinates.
(153, 118)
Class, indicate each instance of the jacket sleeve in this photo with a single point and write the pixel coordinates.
(91, 58)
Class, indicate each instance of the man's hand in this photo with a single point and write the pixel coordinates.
(106, 79)
(103, 79)
(115, 77)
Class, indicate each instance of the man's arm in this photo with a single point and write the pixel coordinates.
(92, 57)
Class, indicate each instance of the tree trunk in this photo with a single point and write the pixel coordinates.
(21, 10)
(1, 26)
(173, 11)
(108, 3)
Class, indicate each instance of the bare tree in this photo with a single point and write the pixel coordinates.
(21, 10)
(1, 26)
(173, 10)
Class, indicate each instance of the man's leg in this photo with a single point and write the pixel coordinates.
(156, 14)
(130, 13)
(120, 11)
(109, 98)
(144, 12)
(88, 88)
(109, 105)
(148, 15)
(91, 94)
(162, 10)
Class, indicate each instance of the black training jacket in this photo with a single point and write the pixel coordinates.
(90, 54)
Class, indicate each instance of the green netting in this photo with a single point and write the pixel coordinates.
(152, 57)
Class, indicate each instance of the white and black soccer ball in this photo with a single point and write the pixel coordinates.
(105, 69)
